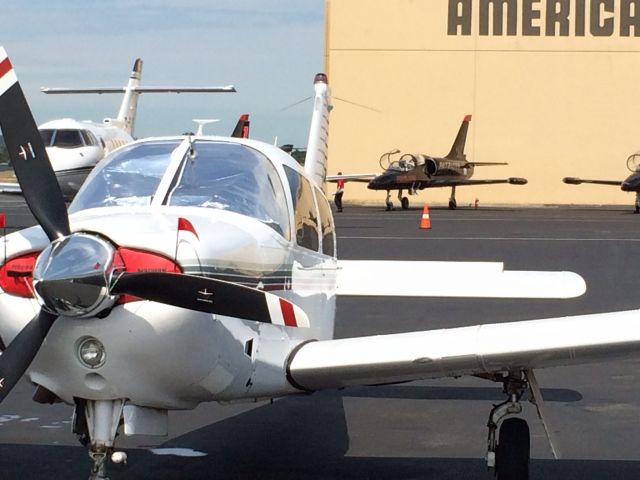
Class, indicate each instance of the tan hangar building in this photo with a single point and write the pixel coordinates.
(553, 87)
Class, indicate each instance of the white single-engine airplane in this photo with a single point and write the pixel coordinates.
(75, 147)
(194, 268)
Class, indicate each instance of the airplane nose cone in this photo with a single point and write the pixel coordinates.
(71, 276)
(631, 183)
(381, 182)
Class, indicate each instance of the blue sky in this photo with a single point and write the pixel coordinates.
(269, 49)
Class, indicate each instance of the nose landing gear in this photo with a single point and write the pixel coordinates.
(96, 423)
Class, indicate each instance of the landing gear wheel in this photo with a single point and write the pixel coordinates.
(405, 203)
(512, 456)
(637, 209)
(452, 204)
(389, 206)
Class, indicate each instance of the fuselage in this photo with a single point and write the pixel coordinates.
(74, 148)
(415, 172)
(257, 221)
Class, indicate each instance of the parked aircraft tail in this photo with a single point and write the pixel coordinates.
(315, 165)
(457, 149)
(242, 127)
(128, 108)
(129, 105)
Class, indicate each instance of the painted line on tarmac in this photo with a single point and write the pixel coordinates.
(495, 239)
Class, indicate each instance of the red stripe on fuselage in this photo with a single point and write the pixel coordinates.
(5, 67)
(287, 313)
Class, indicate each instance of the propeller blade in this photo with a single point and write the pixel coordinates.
(211, 296)
(17, 357)
(28, 155)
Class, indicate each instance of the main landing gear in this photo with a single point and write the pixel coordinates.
(452, 200)
(96, 423)
(509, 455)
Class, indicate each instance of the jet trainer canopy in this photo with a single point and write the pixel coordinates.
(211, 174)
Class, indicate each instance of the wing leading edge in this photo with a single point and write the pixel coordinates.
(477, 350)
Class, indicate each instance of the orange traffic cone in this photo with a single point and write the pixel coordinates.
(425, 222)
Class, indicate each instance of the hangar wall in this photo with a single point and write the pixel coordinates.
(553, 87)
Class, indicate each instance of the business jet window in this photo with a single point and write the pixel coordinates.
(127, 177)
(232, 177)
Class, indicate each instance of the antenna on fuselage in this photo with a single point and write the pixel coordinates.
(201, 122)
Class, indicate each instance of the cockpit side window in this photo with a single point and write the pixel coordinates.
(306, 218)
(89, 138)
(326, 224)
(47, 136)
(233, 177)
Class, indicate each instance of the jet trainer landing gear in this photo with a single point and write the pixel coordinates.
(404, 201)
(509, 456)
(452, 201)
(388, 201)
(96, 423)
(637, 206)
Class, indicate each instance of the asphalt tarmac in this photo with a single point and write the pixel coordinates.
(421, 430)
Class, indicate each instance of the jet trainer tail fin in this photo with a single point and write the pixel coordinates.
(315, 165)
(457, 149)
(242, 127)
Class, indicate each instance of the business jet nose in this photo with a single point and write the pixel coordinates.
(71, 276)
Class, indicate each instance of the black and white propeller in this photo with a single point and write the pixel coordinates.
(75, 275)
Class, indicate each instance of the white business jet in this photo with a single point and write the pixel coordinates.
(75, 147)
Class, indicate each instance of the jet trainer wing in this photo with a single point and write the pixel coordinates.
(477, 350)
(356, 177)
(454, 279)
(578, 181)
(452, 182)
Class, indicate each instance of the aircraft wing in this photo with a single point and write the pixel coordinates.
(10, 188)
(451, 182)
(476, 350)
(485, 164)
(357, 177)
(139, 89)
(454, 279)
(578, 181)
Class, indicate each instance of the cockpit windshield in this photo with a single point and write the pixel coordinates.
(212, 174)
(129, 177)
(67, 138)
(233, 177)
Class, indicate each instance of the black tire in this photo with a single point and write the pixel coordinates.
(405, 203)
(452, 204)
(512, 456)
(637, 209)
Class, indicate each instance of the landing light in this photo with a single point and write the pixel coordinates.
(91, 352)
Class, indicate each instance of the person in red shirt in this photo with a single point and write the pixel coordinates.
(339, 193)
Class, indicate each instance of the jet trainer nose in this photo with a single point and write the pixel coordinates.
(631, 183)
